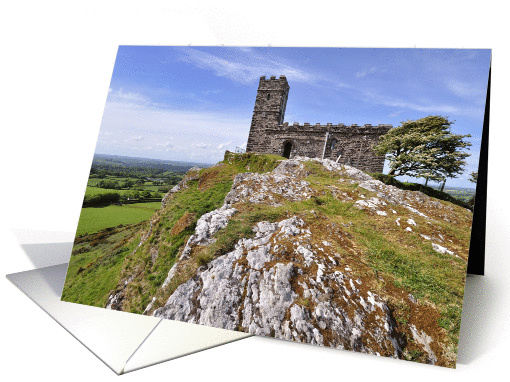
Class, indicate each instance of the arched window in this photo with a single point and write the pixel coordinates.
(333, 142)
(287, 148)
(268, 95)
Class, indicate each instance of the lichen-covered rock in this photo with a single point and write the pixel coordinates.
(271, 188)
(206, 227)
(283, 284)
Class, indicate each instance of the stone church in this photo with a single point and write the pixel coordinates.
(350, 145)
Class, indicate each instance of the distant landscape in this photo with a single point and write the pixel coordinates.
(126, 190)
(462, 193)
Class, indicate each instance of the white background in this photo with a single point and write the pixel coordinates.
(56, 63)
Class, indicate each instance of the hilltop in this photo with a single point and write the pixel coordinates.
(303, 249)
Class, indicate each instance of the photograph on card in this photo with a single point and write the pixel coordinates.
(350, 228)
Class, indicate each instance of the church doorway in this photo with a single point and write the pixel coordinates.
(286, 149)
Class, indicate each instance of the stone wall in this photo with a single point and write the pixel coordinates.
(269, 108)
(353, 144)
(350, 145)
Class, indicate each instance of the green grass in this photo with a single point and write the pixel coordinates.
(94, 219)
(94, 270)
(91, 191)
(252, 162)
(428, 275)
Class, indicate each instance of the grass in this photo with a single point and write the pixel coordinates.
(390, 180)
(94, 270)
(94, 219)
(91, 191)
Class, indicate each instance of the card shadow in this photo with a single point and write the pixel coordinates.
(478, 313)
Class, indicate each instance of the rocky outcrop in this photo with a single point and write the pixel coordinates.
(283, 284)
(271, 188)
(293, 278)
(207, 226)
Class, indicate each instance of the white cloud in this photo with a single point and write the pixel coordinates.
(166, 144)
(223, 145)
(242, 72)
(466, 90)
(395, 113)
(364, 73)
(424, 106)
(121, 96)
(138, 138)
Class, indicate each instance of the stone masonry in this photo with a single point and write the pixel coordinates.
(350, 145)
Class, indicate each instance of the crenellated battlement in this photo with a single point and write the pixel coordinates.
(350, 144)
(332, 128)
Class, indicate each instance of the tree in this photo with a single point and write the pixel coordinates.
(473, 177)
(424, 148)
(128, 183)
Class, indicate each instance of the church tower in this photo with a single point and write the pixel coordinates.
(269, 111)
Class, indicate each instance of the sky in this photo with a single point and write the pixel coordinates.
(193, 103)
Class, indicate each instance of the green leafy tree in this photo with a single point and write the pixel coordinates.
(128, 183)
(424, 148)
(473, 177)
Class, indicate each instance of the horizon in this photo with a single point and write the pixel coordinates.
(190, 104)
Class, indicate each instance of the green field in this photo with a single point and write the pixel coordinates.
(97, 191)
(94, 219)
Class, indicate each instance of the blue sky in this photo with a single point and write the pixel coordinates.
(193, 103)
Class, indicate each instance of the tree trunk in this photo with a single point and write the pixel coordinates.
(442, 187)
(426, 181)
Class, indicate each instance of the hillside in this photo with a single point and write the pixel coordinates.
(304, 250)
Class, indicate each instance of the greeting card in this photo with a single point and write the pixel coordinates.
(207, 204)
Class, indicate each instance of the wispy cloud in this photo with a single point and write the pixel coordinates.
(364, 73)
(200, 145)
(424, 106)
(122, 96)
(239, 70)
(224, 145)
(466, 90)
